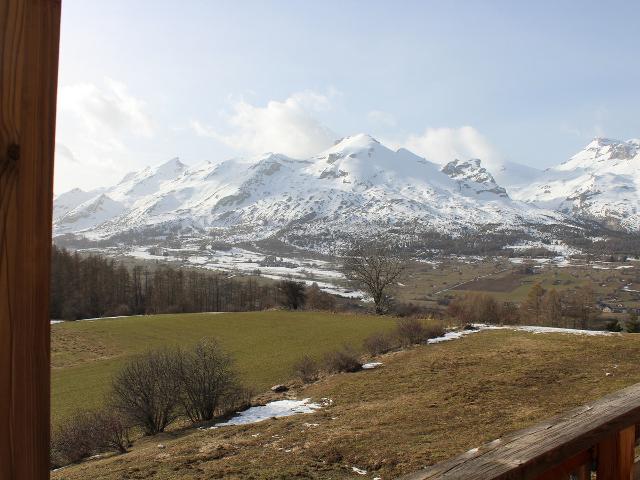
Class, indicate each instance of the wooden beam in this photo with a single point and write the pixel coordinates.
(531, 452)
(616, 455)
(29, 42)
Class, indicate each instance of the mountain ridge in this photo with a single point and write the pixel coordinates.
(356, 187)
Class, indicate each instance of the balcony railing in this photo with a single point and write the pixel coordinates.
(596, 439)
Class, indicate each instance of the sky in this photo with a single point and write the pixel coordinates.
(143, 81)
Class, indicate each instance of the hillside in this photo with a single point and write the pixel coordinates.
(424, 405)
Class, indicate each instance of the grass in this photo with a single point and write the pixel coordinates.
(85, 354)
(424, 405)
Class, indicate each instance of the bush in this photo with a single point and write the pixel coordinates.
(614, 326)
(111, 431)
(378, 343)
(412, 331)
(306, 369)
(147, 390)
(632, 325)
(208, 381)
(476, 308)
(88, 433)
(73, 440)
(344, 360)
(400, 309)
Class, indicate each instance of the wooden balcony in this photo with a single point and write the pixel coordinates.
(593, 441)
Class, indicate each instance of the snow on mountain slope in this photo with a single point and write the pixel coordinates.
(601, 182)
(471, 174)
(67, 201)
(356, 186)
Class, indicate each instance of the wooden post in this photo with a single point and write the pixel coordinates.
(616, 455)
(29, 41)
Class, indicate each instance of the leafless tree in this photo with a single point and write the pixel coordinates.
(208, 380)
(292, 294)
(146, 391)
(376, 268)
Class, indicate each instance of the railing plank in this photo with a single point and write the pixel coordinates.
(531, 452)
(615, 455)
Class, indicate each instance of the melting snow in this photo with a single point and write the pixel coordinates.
(535, 329)
(371, 365)
(279, 408)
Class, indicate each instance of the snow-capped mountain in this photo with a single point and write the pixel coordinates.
(601, 183)
(355, 187)
(471, 174)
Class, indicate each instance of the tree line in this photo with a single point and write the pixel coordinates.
(91, 286)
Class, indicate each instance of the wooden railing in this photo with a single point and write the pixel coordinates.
(596, 439)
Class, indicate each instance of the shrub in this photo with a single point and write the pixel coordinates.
(412, 331)
(73, 440)
(88, 433)
(306, 369)
(378, 343)
(614, 326)
(632, 325)
(476, 308)
(147, 390)
(344, 360)
(207, 381)
(111, 430)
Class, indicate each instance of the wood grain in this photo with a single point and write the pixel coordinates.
(616, 455)
(531, 452)
(29, 42)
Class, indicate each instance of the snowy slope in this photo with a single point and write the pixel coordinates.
(601, 182)
(67, 201)
(357, 186)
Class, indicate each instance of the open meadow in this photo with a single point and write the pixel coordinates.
(85, 354)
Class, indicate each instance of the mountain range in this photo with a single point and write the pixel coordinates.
(359, 187)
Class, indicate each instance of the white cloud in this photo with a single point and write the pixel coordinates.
(110, 108)
(382, 119)
(441, 145)
(97, 126)
(288, 126)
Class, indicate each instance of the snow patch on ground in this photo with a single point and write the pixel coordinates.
(573, 331)
(371, 365)
(279, 408)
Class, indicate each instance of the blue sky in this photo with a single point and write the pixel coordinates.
(531, 82)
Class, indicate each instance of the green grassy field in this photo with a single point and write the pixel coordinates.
(85, 354)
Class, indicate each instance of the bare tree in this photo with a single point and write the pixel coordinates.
(375, 268)
(293, 294)
(208, 381)
(146, 391)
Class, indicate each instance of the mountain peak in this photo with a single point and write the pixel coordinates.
(173, 164)
(359, 140)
